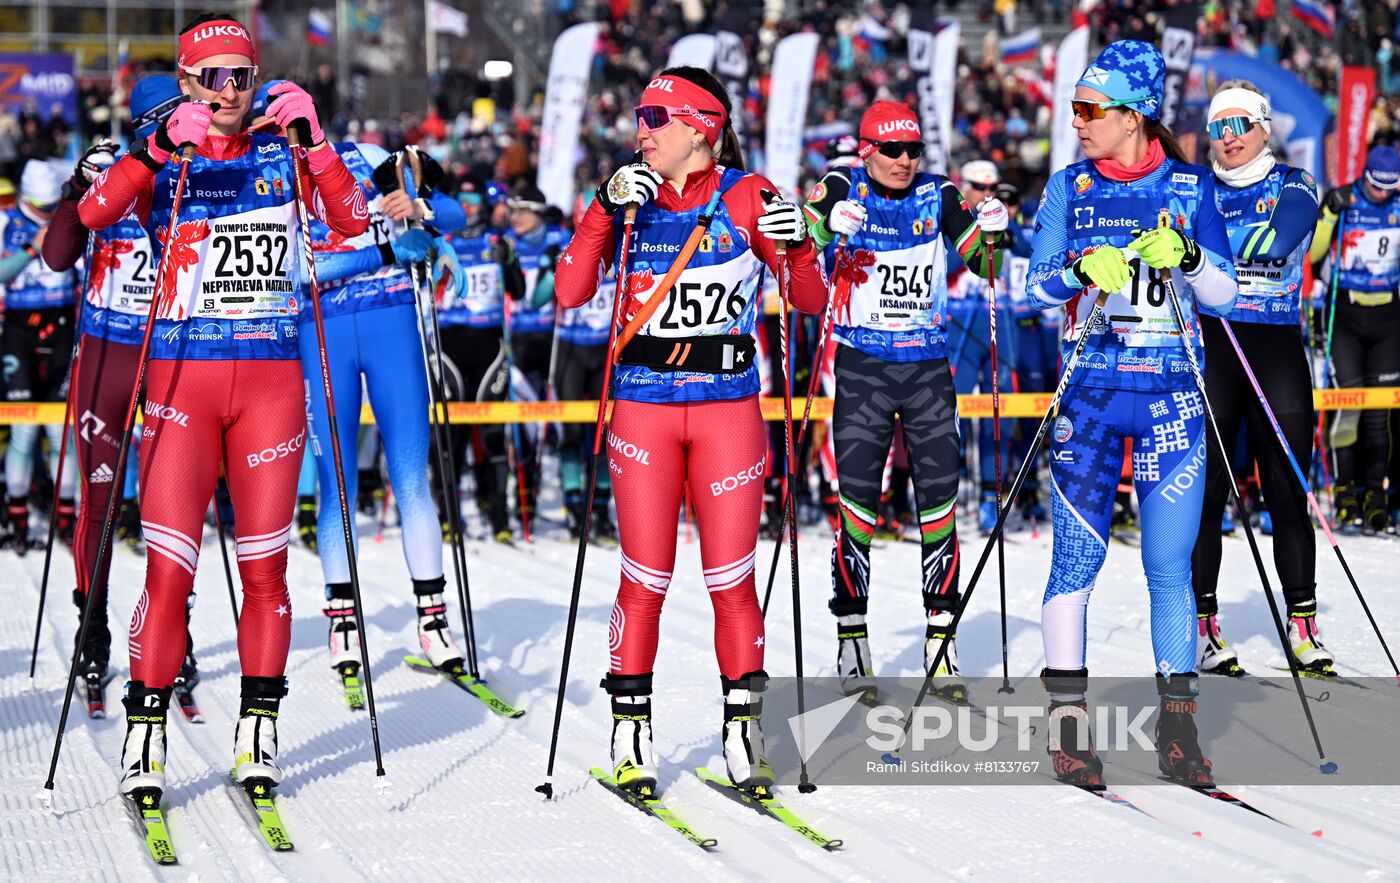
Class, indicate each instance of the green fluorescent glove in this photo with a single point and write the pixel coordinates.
(1163, 248)
(1106, 267)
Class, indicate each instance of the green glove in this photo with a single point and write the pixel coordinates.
(1163, 248)
(1106, 267)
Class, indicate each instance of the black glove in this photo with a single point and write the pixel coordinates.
(1009, 194)
(550, 257)
(501, 251)
(432, 175)
(1337, 200)
(386, 175)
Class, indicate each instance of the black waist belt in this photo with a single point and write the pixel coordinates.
(717, 354)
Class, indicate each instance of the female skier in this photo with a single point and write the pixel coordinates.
(223, 386)
(892, 361)
(1269, 209)
(1133, 381)
(120, 280)
(369, 308)
(702, 424)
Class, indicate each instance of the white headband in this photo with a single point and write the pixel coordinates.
(1247, 99)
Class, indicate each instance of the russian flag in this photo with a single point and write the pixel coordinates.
(1022, 48)
(318, 27)
(1316, 14)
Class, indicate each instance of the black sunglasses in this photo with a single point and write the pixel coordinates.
(896, 149)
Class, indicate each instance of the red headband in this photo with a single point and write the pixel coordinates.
(222, 37)
(694, 104)
(887, 121)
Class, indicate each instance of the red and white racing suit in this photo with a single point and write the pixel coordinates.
(224, 384)
(670, 428)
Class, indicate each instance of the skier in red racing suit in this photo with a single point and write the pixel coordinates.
(224, 384)
(700, 425)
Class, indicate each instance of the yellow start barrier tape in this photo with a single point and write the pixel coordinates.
(979, 405)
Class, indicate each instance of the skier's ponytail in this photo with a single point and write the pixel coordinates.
(728, 151)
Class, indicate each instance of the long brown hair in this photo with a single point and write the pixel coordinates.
(1170, 146)
(728, 151)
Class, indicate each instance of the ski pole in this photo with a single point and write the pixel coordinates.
(1324, 765)
(1060, 389)
(73, 358)
(547, 788)
(447, 475)
(1307, 489)
(304, 215)
(514, 447)
(812, 383)
(186, 157)
(223, 550)
(805, 785)
(989, 253)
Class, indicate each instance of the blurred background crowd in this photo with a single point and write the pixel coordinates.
(477, 120)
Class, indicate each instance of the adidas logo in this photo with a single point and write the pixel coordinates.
(101, 475)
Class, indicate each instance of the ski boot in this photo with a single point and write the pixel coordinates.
(16, 537)
(742, 734)
(306, 521)
(1217, 657)
(1179, 754)
(1348, 513)
(772, 509)
(143, 751)
(1227, 524)
(1309, 653)
(187, 680)
(344, 640)
(1374, 517)
(370, 495)
(633, 755)
(94, 655)
(947, 682)
(987, 513)
(65, 521)
(853, 663)
(255, 736)
(604, 530)
(573, 513)
(434, 636)
(129, 527)
(1071, 741)
(1032, 510)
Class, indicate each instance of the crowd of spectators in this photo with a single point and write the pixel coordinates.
(1001, 112)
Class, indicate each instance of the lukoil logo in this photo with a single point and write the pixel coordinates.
(282, 449)
(164, 412)
(627, 449)
(739, 479)
(890, 127)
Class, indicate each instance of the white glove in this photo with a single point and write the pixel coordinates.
(98, 158)
(636, 183)
(992, 215)
(782, 221)
(846, 218)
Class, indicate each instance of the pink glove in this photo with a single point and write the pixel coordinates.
(189, 124)
(294, 107)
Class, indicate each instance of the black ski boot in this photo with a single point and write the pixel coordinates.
(129, 527)
(16, 537)
(1374, 517)
(604, 530)
(94, 654)
(1178, 750)
(1348, 512)
(306, 521)
(1071, 742)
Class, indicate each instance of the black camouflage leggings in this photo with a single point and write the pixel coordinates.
(870, 394)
